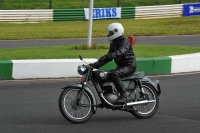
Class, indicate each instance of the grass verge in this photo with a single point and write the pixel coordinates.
(67, 52)
(79, 29)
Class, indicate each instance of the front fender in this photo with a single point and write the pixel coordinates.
(154, 83)
(79, 86)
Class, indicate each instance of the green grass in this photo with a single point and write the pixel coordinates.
(45, 4)
(67, 52)
(79, 29)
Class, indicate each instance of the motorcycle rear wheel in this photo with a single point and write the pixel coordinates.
(147, 110)
(69, 108)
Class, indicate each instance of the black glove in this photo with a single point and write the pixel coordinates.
(95, 65)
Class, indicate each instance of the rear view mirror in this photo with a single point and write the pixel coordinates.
(80, 57)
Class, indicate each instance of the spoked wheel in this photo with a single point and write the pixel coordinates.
(71, 110)
(149, 109)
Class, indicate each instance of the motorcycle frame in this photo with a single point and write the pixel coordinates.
(104, 103)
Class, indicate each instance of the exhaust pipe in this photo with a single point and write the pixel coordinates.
(140, 102)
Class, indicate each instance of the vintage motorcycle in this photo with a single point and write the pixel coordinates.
(78, 103)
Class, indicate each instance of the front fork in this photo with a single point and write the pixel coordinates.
(80, 94)
(79, 98)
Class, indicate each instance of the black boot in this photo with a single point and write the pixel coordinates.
(115, 76)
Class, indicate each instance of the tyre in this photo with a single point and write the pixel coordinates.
(147, 110)
(69, 108)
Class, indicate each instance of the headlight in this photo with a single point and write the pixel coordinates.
(81, 69)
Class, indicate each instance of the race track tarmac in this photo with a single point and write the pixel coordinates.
(184, 40)
(31, 106)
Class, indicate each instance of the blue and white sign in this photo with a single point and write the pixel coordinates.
(191, 9)
(102, 13)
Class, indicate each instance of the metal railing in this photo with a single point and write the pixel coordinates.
(49, 15)
(61, 4)
(68, 14)
(128, 12)
(162, 11)
(26, 16)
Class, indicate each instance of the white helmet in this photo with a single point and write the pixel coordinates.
(114, 30)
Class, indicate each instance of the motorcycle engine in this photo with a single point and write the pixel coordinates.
(111, 97)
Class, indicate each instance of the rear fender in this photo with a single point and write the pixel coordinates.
(153, 83)
(79, 86)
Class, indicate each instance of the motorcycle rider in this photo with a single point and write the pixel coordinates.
(121, 51)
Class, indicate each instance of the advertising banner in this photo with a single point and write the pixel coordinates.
(191, 9)
(103, 13)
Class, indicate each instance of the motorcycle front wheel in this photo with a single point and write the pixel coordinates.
(149, 109)
(71, 110)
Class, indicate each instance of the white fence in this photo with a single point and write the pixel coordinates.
(26, 16)
(162, 11)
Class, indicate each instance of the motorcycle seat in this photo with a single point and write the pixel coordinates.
(136, 75)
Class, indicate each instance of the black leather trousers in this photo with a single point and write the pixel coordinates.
(120, 72)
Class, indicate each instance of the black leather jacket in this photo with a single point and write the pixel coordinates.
(121, 51)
